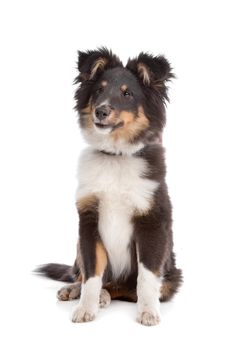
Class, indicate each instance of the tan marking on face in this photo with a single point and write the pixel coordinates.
(124, 87)
(89, 121)
(144, 73)
(127, 117)
(104, 83)
(86, 115)
(112, 118)
(101, 259)
(87, 109)
(87, 203)
(98, 64)
(133, 125)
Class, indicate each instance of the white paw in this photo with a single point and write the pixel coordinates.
(148, 318)
(105, 298)
(82, 314)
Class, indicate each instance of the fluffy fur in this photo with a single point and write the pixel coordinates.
(125, 216)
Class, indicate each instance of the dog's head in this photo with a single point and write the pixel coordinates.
(121, 108)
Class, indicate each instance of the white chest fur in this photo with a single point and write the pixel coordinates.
(119, 184)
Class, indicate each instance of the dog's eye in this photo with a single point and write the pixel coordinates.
(126, 93)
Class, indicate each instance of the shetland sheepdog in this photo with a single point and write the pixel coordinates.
(125, 246)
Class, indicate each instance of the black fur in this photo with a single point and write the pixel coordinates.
(88, 232)
(88, 58)
(58, 272)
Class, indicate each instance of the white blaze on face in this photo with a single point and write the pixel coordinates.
(104, 103)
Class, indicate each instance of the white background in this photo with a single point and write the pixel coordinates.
(40, 144)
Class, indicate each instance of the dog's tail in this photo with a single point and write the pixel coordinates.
(59, 272)
(171, 284)
(172, 280)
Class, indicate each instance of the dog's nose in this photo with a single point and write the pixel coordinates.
(102, 112)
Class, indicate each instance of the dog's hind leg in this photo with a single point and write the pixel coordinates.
(69, 292)
(73, 291)
(105, 298)
(121, 292)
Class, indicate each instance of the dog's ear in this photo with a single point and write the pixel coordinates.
(93, 62)
(152, 71)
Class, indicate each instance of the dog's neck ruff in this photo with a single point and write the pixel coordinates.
(109, 146)
(136, 151)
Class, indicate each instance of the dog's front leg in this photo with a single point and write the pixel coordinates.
(152, 238)
(148, 287)
(93, 260)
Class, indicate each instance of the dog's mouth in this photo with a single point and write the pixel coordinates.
(104, 126)
(111, 127)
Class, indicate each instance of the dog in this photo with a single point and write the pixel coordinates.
(125, 246)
